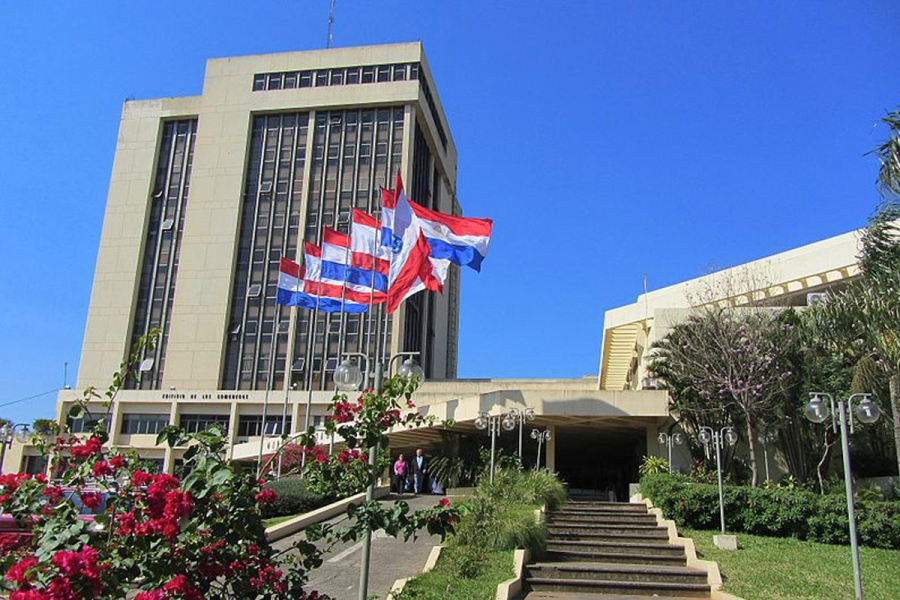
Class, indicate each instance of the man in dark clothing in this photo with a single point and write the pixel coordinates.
(419, 470)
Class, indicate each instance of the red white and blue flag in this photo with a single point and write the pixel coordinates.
(461, 240)
(401, 233)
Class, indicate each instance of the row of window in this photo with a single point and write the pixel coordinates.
(290, 80)
(140, 423)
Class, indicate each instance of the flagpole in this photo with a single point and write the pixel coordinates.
(288, 371)
(347, 259)
(372, 297)
(269, 375)
(309, 378)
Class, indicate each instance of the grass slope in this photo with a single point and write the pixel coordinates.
(768, 568)
(443, 583)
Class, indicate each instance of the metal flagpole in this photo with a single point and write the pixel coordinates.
(269, 375)
(288, 371)
(372, 297)
(347, 258)
(309, 378)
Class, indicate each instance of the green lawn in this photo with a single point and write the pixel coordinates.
(276, 520)
(443, 583)
(768, 568)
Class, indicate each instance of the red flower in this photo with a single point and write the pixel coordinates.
(40, 478)
(117, 461)
(181, 587)
(90, 447)
(102, 468)
(91, 500)
(27, 595)
(444, 502)
(16, 573)
(151, 595)
(53, 494)
(126, 523)
(141, 479)
(266, 496)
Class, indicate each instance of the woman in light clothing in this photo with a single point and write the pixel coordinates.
(400, 469)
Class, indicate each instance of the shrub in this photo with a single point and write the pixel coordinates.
(778, 512)
(653, 465)
(292, 498)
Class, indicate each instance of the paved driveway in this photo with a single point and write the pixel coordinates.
(391, 559)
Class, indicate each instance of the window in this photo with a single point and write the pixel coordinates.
(34, 465)
(305, 79)
(85, 424)
(384, 73)
(368, 74)
(249, 425)
(259, 83)
(337, 77)
(143, 423)
(156, 464)
(322, 78)
(352, 76)
(197, 423)
(399, 72)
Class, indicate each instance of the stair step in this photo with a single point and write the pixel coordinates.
(603, 586)
(615, 571)
(602, 518)
(653, 533)
(630, 547)
(608, 506)
(578, 596)
(581, 555)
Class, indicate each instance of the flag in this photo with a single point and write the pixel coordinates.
(340, 266)
(321, 281)
(461, 240)
(291, 290)
(402, 234)
(367, 252)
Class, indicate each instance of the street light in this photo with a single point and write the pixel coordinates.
(347, 376)
(668, 440)
(728, 435)
(764, 440)
(541, 437)
(867, 412)
(521, 416)
(19, 432)
(410, 370)
(493, 423)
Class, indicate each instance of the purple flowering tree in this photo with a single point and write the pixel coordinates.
(728, 366)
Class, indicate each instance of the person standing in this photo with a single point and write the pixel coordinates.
(400, 468)
(419, 470)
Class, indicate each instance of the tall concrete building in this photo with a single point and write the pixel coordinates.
(208, 193)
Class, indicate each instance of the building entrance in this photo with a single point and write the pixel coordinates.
(599, 460)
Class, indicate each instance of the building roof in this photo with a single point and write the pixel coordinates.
(775, 279)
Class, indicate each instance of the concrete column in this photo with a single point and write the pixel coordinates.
(233, 420)
(551, 448)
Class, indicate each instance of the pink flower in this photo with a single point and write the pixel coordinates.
(444, 502)
(151, 595)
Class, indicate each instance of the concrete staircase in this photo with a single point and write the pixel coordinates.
(611, 551)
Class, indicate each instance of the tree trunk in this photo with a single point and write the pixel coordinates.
(822, 467)
(895, 409)
(751, 443)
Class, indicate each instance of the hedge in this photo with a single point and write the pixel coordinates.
(773, 512)
(292, 498)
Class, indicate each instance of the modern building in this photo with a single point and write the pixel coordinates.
(208, 192)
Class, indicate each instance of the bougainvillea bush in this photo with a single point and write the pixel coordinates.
(160, 537)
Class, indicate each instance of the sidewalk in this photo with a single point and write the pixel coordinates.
(391, 559)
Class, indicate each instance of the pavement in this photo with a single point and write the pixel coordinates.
(391, 559)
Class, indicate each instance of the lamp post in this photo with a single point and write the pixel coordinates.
(19, 432)
(411, 370)
(521, 416)
(493, 423)
(867, 412)
(668, 440)
(541, 437)
(718, 439)
(764, 440)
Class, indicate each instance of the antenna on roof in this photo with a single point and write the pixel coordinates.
(330, 23)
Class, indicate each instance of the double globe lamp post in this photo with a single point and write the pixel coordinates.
(867, 412)
(348, 377)
(669, 440)
(10, 432)
(493, 423)
(728, 435)
(542, 437)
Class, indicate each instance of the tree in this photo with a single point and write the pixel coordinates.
(159, 537)
(728, 364)
(870, 305)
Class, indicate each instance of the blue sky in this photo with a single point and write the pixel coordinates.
(605, 139)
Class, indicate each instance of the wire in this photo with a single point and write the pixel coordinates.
(53, 391)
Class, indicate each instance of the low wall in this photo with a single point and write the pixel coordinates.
(300, 522)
